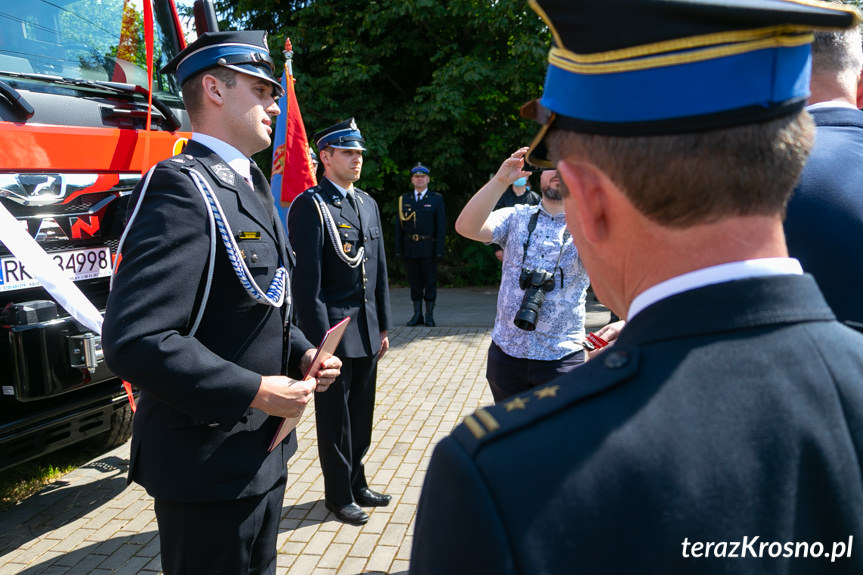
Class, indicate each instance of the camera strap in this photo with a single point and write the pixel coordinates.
(531, 226)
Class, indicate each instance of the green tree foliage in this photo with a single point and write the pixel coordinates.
(432, 81)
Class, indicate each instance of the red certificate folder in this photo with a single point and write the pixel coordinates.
(325, 351)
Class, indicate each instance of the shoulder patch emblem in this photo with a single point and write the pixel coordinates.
(224, 173)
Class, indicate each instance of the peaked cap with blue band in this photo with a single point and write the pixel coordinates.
(641, 67)
(343, 136)
(419, 169)
(244, 51)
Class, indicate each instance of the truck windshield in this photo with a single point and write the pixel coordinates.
(100, 40)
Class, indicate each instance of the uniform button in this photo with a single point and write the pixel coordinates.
(616, 359)
(254, 258)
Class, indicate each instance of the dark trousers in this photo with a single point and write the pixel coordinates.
(508, 376)
(422, 276)
(343, 418)
(235, 537)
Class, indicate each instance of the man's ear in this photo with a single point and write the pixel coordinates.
(212, 88)
(587, 201)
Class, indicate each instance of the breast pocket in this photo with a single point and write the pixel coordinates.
(350, 240)
(261, 257)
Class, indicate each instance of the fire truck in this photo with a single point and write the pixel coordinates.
(84, 112)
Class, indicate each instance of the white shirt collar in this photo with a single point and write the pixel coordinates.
(830, 104)
(713, 275)
(231, 155)
(421, 194)
(341, 190)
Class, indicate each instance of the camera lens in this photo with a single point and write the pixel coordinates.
(529, 311)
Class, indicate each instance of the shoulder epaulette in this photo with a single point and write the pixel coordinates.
(495, 422)
(180, 159)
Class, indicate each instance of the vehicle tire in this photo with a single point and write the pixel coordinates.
(120, 432)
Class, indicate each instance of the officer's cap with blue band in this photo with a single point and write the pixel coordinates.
(343, 136)
(244, 51)
(642, 67)
(419, 169)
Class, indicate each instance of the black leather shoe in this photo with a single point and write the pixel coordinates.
(368, 498)
(350, 513)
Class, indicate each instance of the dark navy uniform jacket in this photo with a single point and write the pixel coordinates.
(430, 221)
(326, 289)
(727, 412)
(195, 438)
(824, 225)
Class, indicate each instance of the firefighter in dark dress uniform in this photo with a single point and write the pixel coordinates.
(341, 272)
(201, 319)
(420, 235)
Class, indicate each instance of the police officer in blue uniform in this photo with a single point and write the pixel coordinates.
(420, 239)
(200, 318)
(723, 431)
(341, 272)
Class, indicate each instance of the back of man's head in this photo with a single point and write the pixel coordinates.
(837, 51)
(837, 60)
(681, 180)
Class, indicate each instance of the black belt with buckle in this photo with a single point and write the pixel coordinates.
(419, 237)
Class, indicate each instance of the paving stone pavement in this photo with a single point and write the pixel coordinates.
(91, 522)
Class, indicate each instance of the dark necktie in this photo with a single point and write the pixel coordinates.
(352, 200)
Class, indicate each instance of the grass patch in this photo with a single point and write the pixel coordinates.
(20, 482)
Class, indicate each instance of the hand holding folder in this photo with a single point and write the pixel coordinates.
(325, 351)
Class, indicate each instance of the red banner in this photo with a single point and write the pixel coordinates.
(293, 170)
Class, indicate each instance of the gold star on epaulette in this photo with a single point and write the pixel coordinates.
(516, 403)
(547, 392)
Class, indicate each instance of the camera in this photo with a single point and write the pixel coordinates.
(535, 283)
(533, 169)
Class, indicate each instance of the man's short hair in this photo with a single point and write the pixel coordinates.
(682, 180)
(193, 91)
(837, 52)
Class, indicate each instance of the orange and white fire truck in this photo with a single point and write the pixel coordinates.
(84, 111)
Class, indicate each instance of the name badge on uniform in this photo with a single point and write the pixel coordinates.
(249, 236)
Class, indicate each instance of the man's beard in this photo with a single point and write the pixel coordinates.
(552, 194)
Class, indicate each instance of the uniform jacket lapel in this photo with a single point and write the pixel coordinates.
(340, 206)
